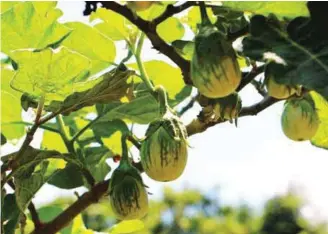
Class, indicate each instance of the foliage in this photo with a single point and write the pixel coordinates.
(86, 98)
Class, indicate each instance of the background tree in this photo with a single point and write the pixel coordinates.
(86, 99)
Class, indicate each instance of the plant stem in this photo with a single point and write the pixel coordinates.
(64, 134)
(70, 147)
(203, 13)
(125, 157)
(86, 127)
(142, 70)
(45, 127)
(28, 139)
(162, 98)
(134, 141)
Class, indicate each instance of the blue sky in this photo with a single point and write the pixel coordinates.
(250, 163)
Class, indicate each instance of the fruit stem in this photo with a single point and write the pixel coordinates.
(203, 13)
(125, 158)
(162, 98)
(142, 70)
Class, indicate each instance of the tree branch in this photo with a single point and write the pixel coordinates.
(64, 219)
(248, 77)
(149, 28)
(259, 87)
(197, 126)
(172, 10)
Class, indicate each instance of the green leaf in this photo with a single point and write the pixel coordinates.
(32, 157)
(31, 25)
(321, 137)
(106, 129)
(114, 25)
(111, 87)
(171, 79)
(96, 162)
(10, 213)
(48, 72)
(68, 178)
(91, 43)
(229, 20)
(281, 8)
(301, 55)
(26, 187)
(184, 48)
(10, 107)
(3, 139)
(128, 226)
(140, 110)
(171, 29)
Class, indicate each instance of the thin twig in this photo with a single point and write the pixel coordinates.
(86, 127)
(172, 10)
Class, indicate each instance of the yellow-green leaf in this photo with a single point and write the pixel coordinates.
(321, 137)
(89, 42)
(10, 107)
(7, 5)
(48, 72)
(114, 25)
(53, 141)
(171, 29)
(31, 25)
(164, 74)
(128, 226)
(279, 8)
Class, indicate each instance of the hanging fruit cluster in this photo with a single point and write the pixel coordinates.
(299, 119)
(163, 158)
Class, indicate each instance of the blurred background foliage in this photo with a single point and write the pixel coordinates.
(193, 212)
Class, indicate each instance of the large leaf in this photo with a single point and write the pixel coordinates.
(10, 213)
(111, 87)
(171, 29)
(92, 44)
(113, 25)
(10, 107)
(31, 25)
(25, 165)
(321, 137)
(96, 162)
(53, 141)
(26, 187)
(279, 8)
(68, 178)
(140, 110)
(302, 49)
(48, 72)
(171, 79)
